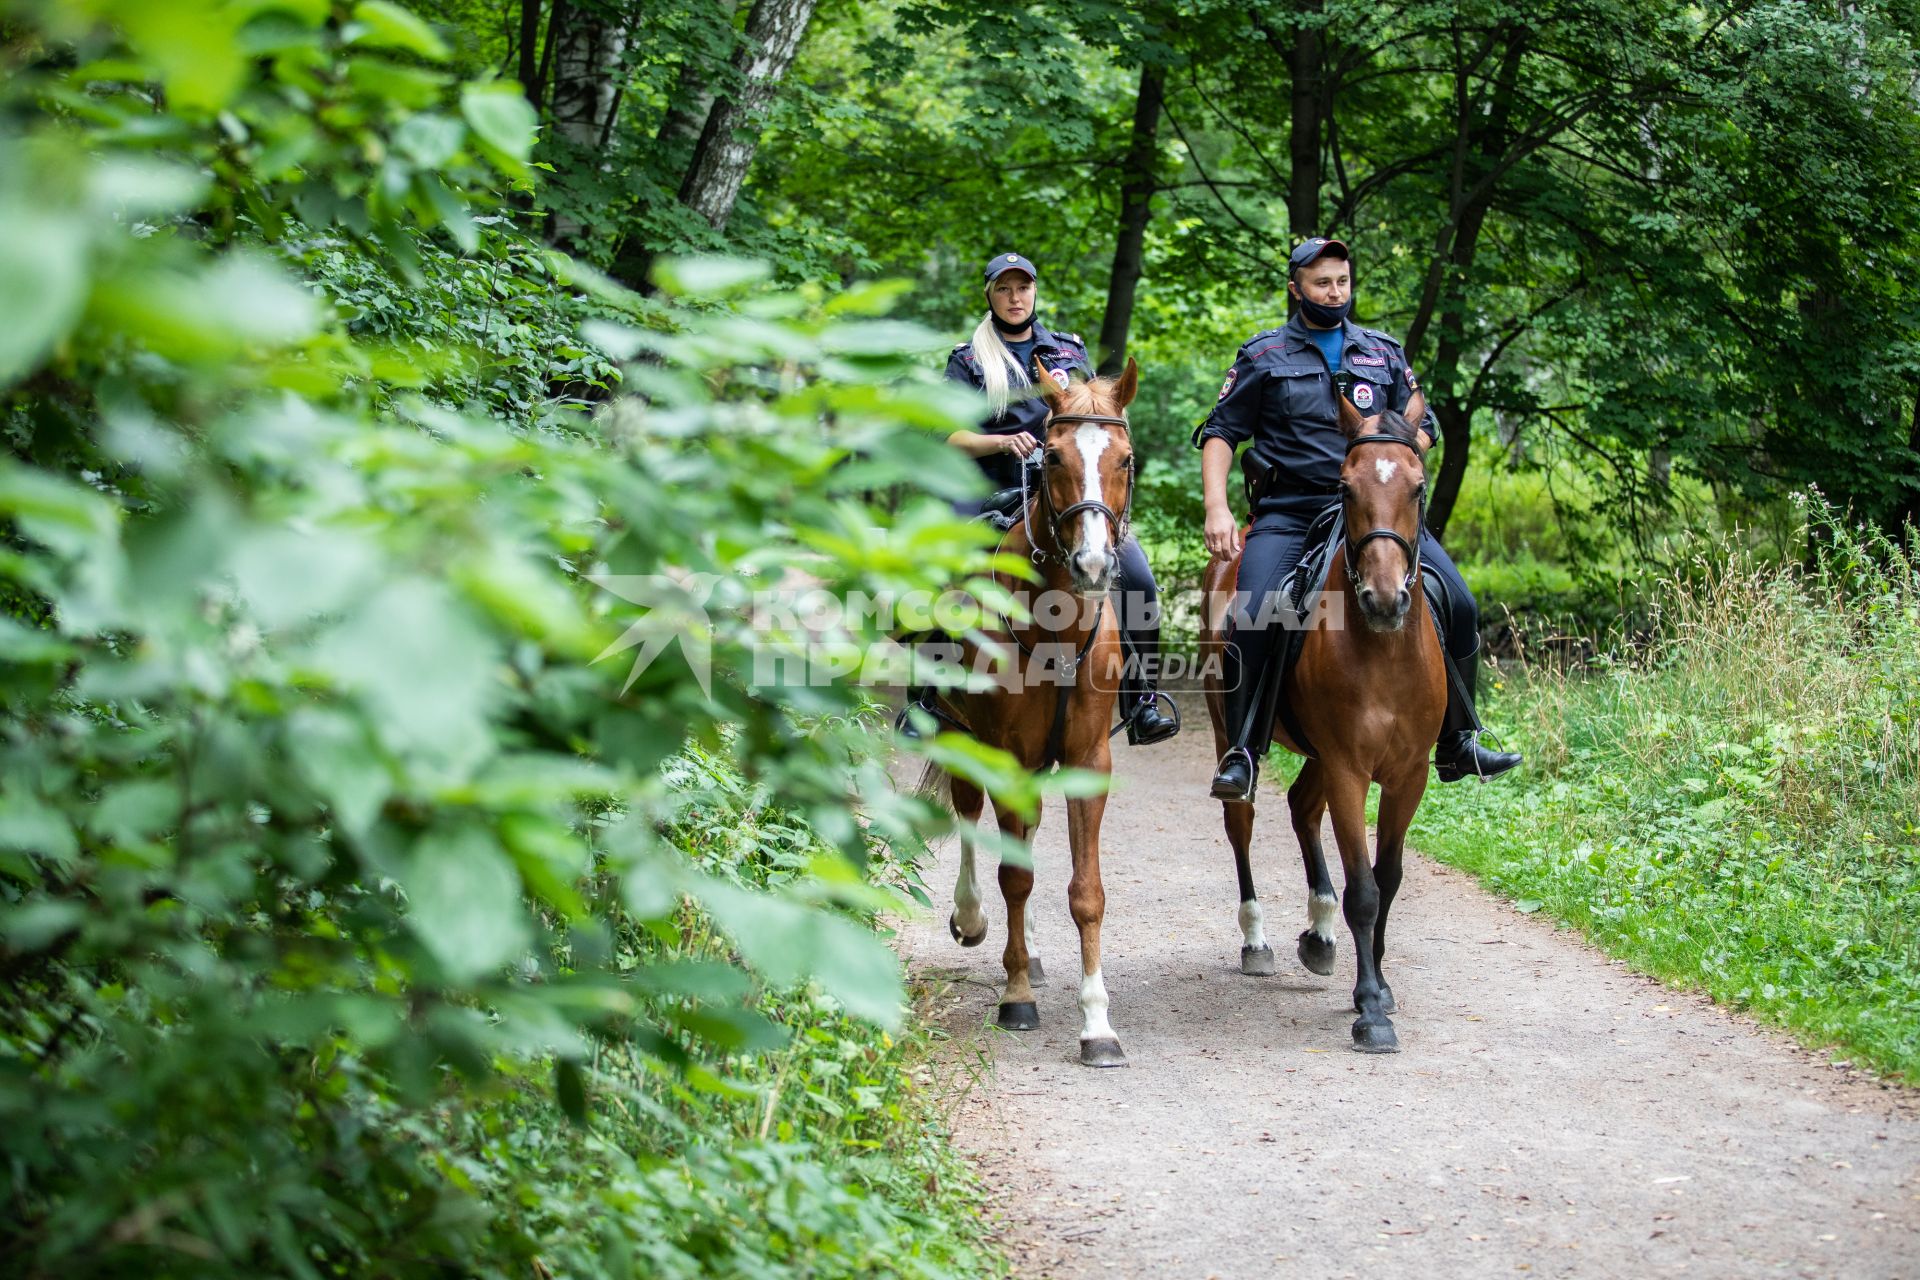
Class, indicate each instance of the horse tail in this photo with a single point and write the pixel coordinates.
(935, 786)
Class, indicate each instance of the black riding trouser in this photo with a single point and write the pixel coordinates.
(1273, 548)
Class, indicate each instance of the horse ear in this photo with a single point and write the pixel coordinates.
(1416, 412)
(1051, 388)
(1351, 423)
(1129, 383)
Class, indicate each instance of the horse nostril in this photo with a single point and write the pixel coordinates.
(1404, 601)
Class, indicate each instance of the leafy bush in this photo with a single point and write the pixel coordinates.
(327, 839)
(1735, 804)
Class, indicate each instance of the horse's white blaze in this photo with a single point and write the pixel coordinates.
(1093, 1009)
(1092, 439)
(1253, 924)
(1320, 909)
(966, 893)
(1384, 468)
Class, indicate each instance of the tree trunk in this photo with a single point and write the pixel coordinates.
(1303, 137)
(1136, 204)
(1449, 399)
(692, 99)
(586, 75)
(732, 133)
(530, 50)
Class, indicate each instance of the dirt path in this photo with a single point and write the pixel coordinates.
(1551, 1114)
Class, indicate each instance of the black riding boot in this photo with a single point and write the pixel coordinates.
(1459, 754)
(1140, 695)
(1248, 659)
(919, 698)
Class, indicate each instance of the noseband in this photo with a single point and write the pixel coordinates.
(1356, 545)
(1117, 525)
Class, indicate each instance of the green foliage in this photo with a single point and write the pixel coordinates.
(1734, 806)
(336, 820)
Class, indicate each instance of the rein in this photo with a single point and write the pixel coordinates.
(1356, 545)
(1117, 527)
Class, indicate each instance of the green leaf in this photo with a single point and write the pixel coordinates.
(388, 26)
(503, 119)
(33, 826)
(429, 139)
(709, 277)
(68, 517)
(787, 942)
(38, 925)
(43, 283)
(463, 902)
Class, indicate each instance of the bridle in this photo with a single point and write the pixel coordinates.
(1117, 525)
(1356, 545)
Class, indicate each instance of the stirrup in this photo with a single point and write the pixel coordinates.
(1153, 700)
(1225, 788)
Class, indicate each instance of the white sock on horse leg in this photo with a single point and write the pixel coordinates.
(1093, 1008)
(1253, 924)
(967, 914)
(1321, 910)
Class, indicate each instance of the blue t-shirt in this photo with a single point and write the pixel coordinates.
(1023, 354)
(1332, 344)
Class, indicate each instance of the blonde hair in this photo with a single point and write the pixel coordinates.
(995, 363)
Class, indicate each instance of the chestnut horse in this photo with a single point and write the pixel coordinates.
(1369, 698)
(1053, 701)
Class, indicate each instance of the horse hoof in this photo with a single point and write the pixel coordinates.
(953, 927)
(1036, 976)
(1387, 1006)
(1104, 1052)
(1256, 962)
(1374, 1037)
(1316, 952)
(1018, 1015)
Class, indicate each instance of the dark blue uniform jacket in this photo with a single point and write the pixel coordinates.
(1055, 351)
(1280, 395)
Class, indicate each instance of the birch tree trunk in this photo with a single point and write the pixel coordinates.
(732, 132)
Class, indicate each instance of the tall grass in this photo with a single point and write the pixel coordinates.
(1734, 803)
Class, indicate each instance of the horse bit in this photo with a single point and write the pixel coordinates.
(1356, 545)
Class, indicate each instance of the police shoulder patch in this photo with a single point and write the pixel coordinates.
(1232, 376)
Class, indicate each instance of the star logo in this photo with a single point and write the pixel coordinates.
(676, 610)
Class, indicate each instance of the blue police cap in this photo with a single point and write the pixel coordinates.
(1311, 251)
(1008, 262)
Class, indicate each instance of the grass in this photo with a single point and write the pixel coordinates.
(1735, 805)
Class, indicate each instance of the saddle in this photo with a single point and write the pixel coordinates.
(1004, 509)
(1300, 594)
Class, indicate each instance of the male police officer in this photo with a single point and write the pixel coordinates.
(999, 361)
(1280, 395)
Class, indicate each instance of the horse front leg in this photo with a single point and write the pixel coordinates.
(1307, 802)
(1087, 899)
(968, 923)
(1256, 956)
(1346, 791)
(1397, 806)
(1018, 1011)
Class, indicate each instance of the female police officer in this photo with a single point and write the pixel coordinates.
(999, 361)
(1280, 395)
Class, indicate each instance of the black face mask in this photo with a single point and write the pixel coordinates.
(1006, 326)
(1324, 317)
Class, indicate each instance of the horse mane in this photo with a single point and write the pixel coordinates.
(1390, 423)
(1095, 396)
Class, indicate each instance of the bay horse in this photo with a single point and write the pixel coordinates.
(1053, 702)
(1369, 698)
